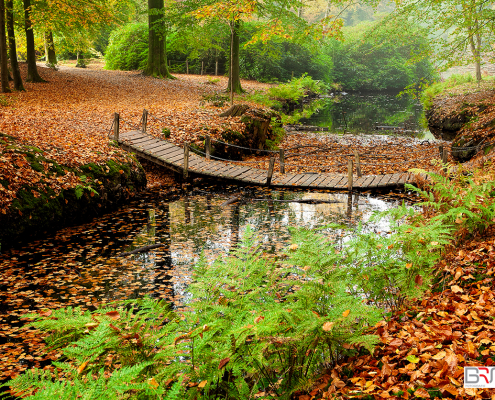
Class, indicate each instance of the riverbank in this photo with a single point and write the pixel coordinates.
(462, 111)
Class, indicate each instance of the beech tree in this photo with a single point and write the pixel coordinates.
(32, 71)
(16, 73)
(4, 72)
(157, 40)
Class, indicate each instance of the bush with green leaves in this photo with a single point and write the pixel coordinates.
(291, 97)
(128, 48)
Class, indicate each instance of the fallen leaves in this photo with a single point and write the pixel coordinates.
(424, 350)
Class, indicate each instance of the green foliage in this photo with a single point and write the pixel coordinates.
(291, 98)
(374, 58)
(79, 189)
(447, 87)
(211, 80)
(128, 48)
(166, 133)
(458, 202)
(4, 101)
(217, 99)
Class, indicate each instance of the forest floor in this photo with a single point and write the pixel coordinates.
(423, 349)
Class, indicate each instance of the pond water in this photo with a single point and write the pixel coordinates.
(80, 266)
(362, 112)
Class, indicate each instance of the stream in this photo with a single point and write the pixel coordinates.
(363, 112)
(80, 266)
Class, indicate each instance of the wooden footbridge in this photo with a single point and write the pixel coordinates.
(187, 163)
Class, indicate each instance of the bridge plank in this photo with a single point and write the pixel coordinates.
(331, 181)
(316, 183)
(139, 141)
(295, 178)
(311, 178)
(373, 183)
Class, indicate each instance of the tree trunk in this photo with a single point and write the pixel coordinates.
(4, 72)
(81, 63)
(51, 57)
(12, 47)
(32, 75)
(157, 43)
(234, 77)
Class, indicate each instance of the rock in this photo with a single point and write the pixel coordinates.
(445, 127)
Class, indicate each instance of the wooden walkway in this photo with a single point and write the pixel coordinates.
(171, 156)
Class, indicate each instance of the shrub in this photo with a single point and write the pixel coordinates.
(128, 48)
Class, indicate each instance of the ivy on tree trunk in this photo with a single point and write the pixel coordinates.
(4, 84)
(157, 44)
(234, 74)
(32, 74)
(12, 47)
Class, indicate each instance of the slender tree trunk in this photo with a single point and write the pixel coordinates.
(50, 55)
(32, 75)
(12, 47)
(4, 73)
(81, 63)
(157, 43)
(234, 73)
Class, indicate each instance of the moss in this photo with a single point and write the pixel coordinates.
(38, 208)
(4, 183)
(4, 135)
(92, 169)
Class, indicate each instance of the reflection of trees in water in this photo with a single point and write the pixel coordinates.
(361, 112)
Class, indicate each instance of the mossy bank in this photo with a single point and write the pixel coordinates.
(39, 204)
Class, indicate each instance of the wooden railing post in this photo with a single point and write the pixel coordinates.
(208, 147)
(440, 150)
(186, 159)
(187, 67)
(116, 126)
(145, 120)
(202, 66)
(282, 161)
(349, 174)
(358, 164)
(270, 171)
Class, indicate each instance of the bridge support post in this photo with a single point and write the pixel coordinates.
(186, 160)
(358, 164)
(208, 147)
(349, 174)
(144, 119)
(282, 161)
(270, 171)
(116, 123)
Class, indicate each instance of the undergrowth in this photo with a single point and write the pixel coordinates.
(256, 324)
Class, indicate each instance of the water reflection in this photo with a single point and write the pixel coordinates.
(362, 112)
